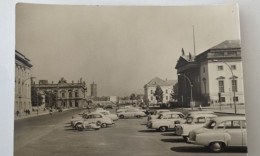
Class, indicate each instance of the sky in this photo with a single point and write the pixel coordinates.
(121, 48)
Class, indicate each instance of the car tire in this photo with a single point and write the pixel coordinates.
(216, 147)
(103, 125)
(79, 127)
(121, 116)
(163, 128)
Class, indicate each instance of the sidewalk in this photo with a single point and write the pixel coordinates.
(33, 114)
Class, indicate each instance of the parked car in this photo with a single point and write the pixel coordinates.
(93, 118)
(80, 114)
(192, 122)
(220, 133)
(85, 125)
(166, 120)
(130, 113)
(198, 112)
(156, 114)
(108, 114)
(124, 108)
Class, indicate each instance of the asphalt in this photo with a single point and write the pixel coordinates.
(51, 135)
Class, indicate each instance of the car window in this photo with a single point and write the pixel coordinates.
(243, 123)
(85, 116)
(90, 117)
(200, 120)
(211, 124)
(232, 124)
(181, 115)
(175, 116)
(221, 125)
(189, 120)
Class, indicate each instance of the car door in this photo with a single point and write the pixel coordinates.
(233, 128)
(172, 119)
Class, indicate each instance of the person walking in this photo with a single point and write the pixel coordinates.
(17, 113)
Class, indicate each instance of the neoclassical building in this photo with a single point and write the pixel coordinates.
(150, 87)
(67, 94)
(216, 75)
(22, 83)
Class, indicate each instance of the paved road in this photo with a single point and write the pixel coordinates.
(51, 135)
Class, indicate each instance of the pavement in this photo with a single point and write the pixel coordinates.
(52, 135)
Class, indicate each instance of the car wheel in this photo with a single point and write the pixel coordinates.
(163, 128)
(185, 138)
(216, 146)
(103, 125)
(121, 116)
(79, 127)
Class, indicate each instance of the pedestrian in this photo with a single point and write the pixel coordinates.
(17, 113)
(29, 112)
(26, 112)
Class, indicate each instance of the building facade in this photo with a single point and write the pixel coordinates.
(22, 83)
(67, 94)
(150, 87)
(93, 88)
(216, 75)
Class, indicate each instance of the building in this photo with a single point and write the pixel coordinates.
(113, 99)
(150, 87)
(22, 83)
(67, 94)
(215, 74)
(93, 87)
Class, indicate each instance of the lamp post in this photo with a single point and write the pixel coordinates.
(233, 78)
(191, 99)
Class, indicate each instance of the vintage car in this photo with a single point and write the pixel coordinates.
(192, 122)
(108, 114)
(93, 118)
(79, 115)
(198, 112)
(125, 108)
(166, 120)
(130, 113)
(85, 125)
(220, 133)
(156, 114)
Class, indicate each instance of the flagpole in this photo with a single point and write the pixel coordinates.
(194, 41)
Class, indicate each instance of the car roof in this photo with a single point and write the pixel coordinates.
(201, 112)
(165, 113)
(227, 118)
(203, 115)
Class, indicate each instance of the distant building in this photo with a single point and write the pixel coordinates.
(150, 87)
(67, 94)
(210, 74)
(93, 87)
(22, 83)
(113, 99)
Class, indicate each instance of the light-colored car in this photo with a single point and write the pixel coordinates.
(166, 120)
(156, 114)
(108, 114)
(193, 122)
(198, 112)
(130, 113)
(221, 132)
(125, 108)
(99, 109)
(85, 125)
(80, 114)
(94, 118)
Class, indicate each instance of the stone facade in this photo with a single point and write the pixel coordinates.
(210, 73)
(150, 87)
(67, 94)
(22, 83)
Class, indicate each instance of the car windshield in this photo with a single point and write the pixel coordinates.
(160, 116)
(189, 120)
(211, 124)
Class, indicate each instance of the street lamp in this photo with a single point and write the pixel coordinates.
(233, 78)
(191, 99)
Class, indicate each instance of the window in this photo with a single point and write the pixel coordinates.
(70, 94)
(221, 86)
(233, 67)
(222, 99)
(166, 97)
(151, 98)
(234, 85)
(243, 123)
(166, 91)
(204, 70)
(235, 99)
(151, 91)
(201, 120)
(220, 67)
(63, 95)
(221, 125)
(232, 125)
(76, 94)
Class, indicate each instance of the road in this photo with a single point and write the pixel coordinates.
(52, 135)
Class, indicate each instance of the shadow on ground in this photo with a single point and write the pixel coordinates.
(173, 140)
(200, 149)
(148, 131)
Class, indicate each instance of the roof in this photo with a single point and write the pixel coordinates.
(228, 44)
(226, 118)
(188, 58)
(159, 82)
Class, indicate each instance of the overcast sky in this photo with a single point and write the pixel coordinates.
(120, 48)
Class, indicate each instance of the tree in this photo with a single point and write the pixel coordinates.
(158, 94)
(50, 99)
(36, 97)
(132, 97)
(175, 94)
